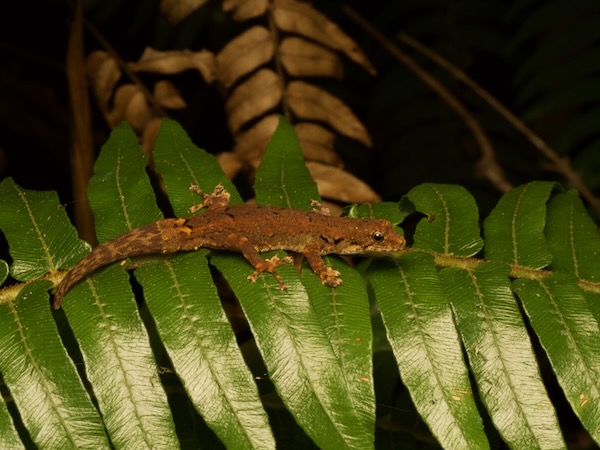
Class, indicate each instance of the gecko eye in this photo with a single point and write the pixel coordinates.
(378, 236)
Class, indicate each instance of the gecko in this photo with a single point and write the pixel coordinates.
(249, 229)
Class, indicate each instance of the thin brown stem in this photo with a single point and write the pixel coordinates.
(559, 164)
(287, 113)
(82, 146)
(487, 165)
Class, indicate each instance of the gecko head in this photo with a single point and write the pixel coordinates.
(384, 239)
(371, 237)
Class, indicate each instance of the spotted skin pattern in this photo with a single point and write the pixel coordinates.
(248, 229)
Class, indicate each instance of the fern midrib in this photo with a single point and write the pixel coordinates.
(567, 331)
(38, 231)
(119, 358)
(446, 219)
(503, 358)
(40, 375)
(341, 353)
(315, 393)
(431, 356)
(516, 271)
(121, 196)
(224, 391)
(572, 245)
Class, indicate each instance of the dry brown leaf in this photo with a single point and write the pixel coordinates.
(167, 95)
(103, 71)
(176, 61)
(315, 133)
(230, 164)
(337, 184)
(249, 145)
(138, 113)
(251, 99)
(318, 153)
(302, 58)
(301, 18)
(317, 143)
(151, 129)
(123, 96)
(130, 104)
(245, 9)
(177, 10)
(313, 103)
(245, 53)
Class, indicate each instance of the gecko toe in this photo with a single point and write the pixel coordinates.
(330, 277)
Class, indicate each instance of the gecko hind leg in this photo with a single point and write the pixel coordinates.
(269, 265)
(260, 265)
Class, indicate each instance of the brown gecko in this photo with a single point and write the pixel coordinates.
(250, 230)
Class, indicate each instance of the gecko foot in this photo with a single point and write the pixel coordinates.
(270, 265)
(318, 207)
(330, 277)
(219, 197)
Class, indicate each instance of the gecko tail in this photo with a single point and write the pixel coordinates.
(141, 241)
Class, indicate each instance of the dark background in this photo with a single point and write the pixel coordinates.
(540, 58)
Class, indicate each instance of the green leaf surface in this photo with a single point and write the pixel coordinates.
(103, 313)
(385, 210)
(569, 333)
(593, 301)
(426, 345)
(345, 315)
(298, 355)
(181, 295)
(120, 193)
(43, 381)
(287, 432)
(3, 271)
(501, 356)
(514, 230)
(573, 237)
(35, 226)
(205, 356)
(119, 362)
(452, 223)
(9, 438)
(282, 178)
(181, 163)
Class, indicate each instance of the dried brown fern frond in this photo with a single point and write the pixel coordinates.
(132, 101)
(297, 17)
(177, 10)
(264, 71)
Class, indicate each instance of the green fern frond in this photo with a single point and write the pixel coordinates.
(133, 363)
